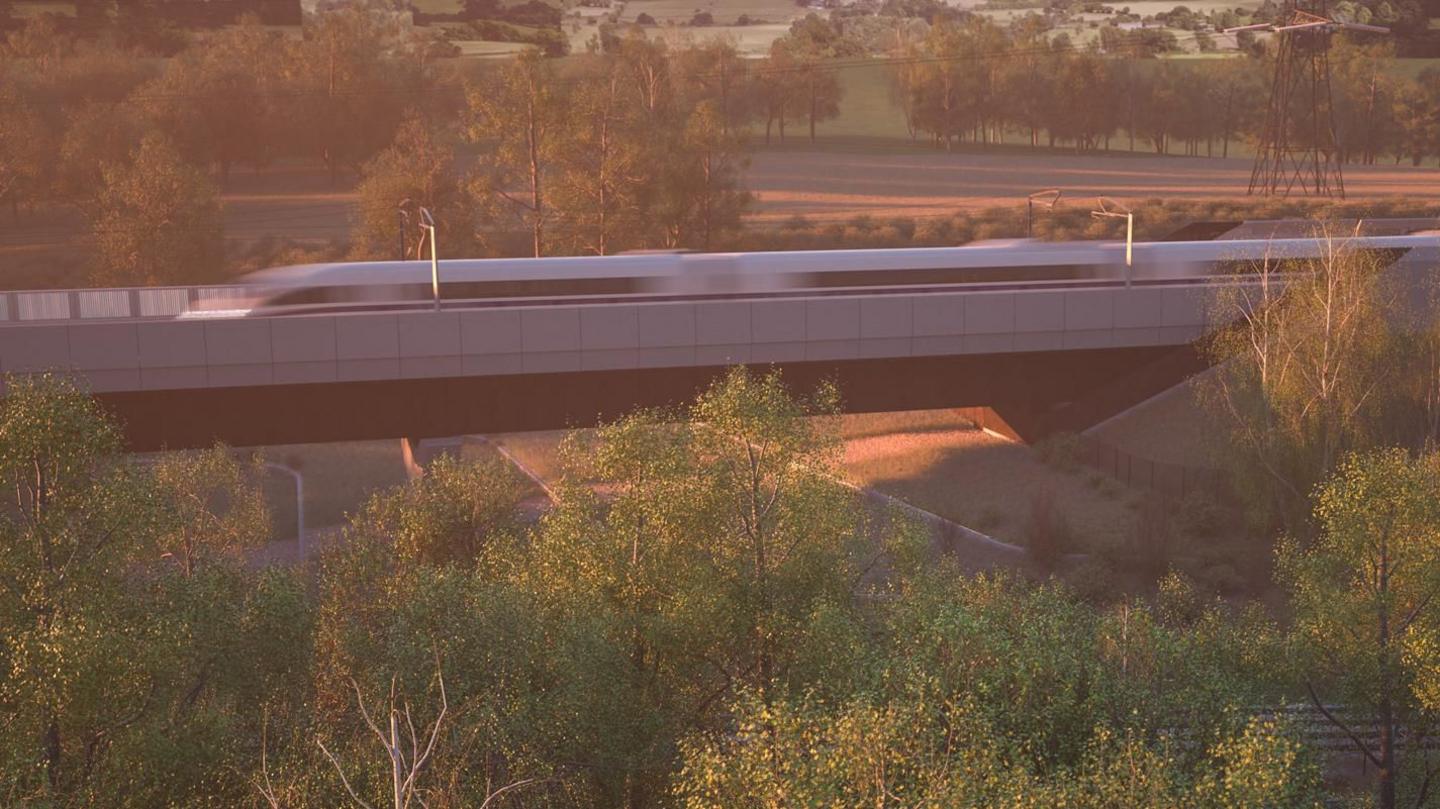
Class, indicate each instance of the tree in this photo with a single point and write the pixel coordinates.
(1416, 113)
(714, 72)
(519, 117)
(218, 103)
(455, 514)
(417, 170)
(23, 150)
(1362, 88)
(989, 692)
(211, 505)
(1088, 101)
(120, 674)
(40, 41)
(706, 178)
(775, 88)
(96, 135)
(605, 167)
(822, 93)
(67, 672)
(1307, 368)
(1364, 602)
(157, 220)
(347, 93)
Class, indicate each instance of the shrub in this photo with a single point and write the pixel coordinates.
(1059, 451)
(1047, 532)
(1096, 581)
(1152, 538)
(1179, 601)
(640, 19)
(702, 19)
(1221, 578)
(1198, 515)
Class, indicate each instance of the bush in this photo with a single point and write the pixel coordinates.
(702, 19)
(1179, 601)
(1059, 451)
(1047, 532)
(1199, 516)
(1095, 581)
(1152, 538)
(1221, 578)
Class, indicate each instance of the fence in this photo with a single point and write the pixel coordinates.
(1172, 480)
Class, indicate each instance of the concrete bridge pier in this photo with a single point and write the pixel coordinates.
(419, 453)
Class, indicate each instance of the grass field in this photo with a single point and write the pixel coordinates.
(438, 6)
(724, 11)
(941, 463)
(921, 182)
(482, 49)
(751, 41)
(30, 8)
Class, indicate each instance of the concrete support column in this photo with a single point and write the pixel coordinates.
(419, 453)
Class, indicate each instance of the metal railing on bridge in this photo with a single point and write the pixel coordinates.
(58, 305)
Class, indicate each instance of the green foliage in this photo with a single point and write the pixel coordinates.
(458, 513)
(706, 617)
(417, 170)
(998, 695)
(156, 220)
(1363, 593)
(127, 680)
(1307, 374)
(210, 504)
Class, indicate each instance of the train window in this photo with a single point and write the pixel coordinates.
(537, 288)
(1379, 257)
(951, 275)
(308, 296)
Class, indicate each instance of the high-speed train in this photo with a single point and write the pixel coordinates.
(401, 285)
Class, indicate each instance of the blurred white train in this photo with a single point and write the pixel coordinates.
(401, 285)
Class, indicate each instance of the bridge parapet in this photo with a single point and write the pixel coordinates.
(131, 303)
(146, 352)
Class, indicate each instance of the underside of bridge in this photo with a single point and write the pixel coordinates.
(1029, 395)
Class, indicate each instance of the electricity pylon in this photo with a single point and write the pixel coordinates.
(1298, 148)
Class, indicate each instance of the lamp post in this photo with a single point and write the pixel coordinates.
(1048, 198)
(1129, 217)
(299, 503)
(427, 222)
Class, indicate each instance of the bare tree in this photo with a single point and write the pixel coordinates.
(405, 767)
(1304, 361)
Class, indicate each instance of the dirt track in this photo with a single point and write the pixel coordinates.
(832, 184)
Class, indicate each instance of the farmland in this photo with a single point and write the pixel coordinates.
(920, 182)
(676, 12)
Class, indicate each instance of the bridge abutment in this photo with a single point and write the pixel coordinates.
(419, 453)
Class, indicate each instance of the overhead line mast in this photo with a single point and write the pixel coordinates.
(1298, 146)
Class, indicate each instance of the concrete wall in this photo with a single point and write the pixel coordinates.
(155, 355)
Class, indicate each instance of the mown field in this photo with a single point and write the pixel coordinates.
(724, 11)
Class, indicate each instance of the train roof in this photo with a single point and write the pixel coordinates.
(1016, 253)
